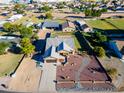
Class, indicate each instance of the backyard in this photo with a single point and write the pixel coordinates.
(100, 24)
(107, 24)
(118, 23)
(8, 63)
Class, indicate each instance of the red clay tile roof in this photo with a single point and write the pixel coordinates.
(82, 69)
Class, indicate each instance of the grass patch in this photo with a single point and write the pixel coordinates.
(8, 63)
(119, 23)
(99, 24)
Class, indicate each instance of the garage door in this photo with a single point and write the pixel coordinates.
(51, 60)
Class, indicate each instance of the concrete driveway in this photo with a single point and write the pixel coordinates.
(47, 83)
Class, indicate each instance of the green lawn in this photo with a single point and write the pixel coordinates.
(119, 23)
(77, 45)
(8, 63)
(100, 24)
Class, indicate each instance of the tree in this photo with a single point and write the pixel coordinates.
(100, 52)
(25, 41)
(26, 31)
(60, 5)
(28, 49)
(10, 28)
(76, 10)
(102, 38)
(7, 26)
(19, 8)
(49, 15)
(99, 37)
(3, 47)
(26, 46)
(46, 8)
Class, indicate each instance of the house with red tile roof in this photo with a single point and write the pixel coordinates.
(82, 73)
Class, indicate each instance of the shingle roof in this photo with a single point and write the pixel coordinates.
(57, 40)
(64, 46)
(50, 24)
(51, 52)
(68, 24)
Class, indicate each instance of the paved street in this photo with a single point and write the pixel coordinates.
(47, 83)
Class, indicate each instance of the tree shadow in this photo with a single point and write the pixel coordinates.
(83, 43)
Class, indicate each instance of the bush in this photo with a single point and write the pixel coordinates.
(100, 52)
(112, 71)
(3, 47)
(49, 15)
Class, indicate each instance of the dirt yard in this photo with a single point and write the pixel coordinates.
(27, 77)
(113, 62)
(8, 63)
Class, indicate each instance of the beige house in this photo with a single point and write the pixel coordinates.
(68, 26)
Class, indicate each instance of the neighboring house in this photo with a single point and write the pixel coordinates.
(9, 39)
(50, 25)
(68, 26)
(5, 13)
(83, 26)
(15, 17)
(57, 48)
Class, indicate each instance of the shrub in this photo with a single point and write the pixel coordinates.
(3, 47)
(49, 15)
(112, 71)
(100, 52)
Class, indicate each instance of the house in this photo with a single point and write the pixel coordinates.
(15, 17)
(83, 26)
(68, 26)
(57, 48)
(52, 56)
(82, 73)
(50, 25)
(28, 24)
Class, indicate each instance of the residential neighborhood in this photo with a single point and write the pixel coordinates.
(61, 46)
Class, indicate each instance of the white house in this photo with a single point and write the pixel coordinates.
(15, 17)
(83, 26)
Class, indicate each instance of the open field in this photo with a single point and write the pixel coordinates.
(77, 45)
(8, 63)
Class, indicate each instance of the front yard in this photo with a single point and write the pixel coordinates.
(8, 63)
